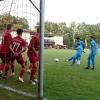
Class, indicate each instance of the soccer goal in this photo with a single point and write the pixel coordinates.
(25, 14)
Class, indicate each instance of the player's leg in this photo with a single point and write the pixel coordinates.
(1, 68)
(88, 61)
(70, 58)
(74, 58)
(2, 64)
(34, 69)
(12, 67)
(22, 71)
(30, 65)
(21, 61)
(83, 49)
(93, 61)
(7, 64)
(79, 59)
(34, 73)
(3, 56)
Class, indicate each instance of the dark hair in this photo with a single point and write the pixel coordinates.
(19, 31)
(78, 38)
(92, 36)
(78, 43)
(9, 26)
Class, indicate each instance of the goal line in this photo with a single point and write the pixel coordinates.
(17, 91)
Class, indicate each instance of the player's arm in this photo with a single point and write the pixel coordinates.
(77, 48)
(9, 38)
(32, 43)
(23, 49)
(11, 49)
(17, 53)
(33, 50)
(92, 49)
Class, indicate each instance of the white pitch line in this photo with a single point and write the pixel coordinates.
(17, 91)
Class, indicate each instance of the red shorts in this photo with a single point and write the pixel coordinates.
(33, 57)
(5, 57)
(5, 54)
(19, 59)
(4, 48)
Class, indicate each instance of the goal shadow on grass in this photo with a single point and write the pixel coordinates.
(12, 84)
(18, 91)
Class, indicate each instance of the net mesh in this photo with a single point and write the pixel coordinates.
(30, 15)
(22, 9)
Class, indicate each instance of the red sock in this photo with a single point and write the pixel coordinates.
(22, 71)
(6, 68)
(30, 66)
(33, 73)
(1, 67)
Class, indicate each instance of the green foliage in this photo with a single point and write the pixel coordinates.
(97, 37)
(17, 22)
(75, 29)
(56, 28)
(68, 40)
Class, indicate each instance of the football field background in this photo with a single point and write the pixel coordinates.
(61, 81)
(65, 82)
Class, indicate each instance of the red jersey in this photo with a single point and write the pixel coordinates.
(35, 42)
(6, 39)
(17, 44)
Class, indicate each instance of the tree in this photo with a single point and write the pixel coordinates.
(17, 22)
(55, 28)
(75, 29)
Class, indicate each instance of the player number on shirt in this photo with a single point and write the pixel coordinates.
(15, 46)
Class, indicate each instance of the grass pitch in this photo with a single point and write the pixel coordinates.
(61, 81)
(65, 82)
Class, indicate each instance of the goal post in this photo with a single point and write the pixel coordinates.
(28, 12)
(41, 67)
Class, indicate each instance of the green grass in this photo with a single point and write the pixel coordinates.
(6, 95)
(65, 82)
(61, 81)
(14, 83)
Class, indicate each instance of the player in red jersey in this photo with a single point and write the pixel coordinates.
(4, 48)
(17, 46)
(30, 65)
(33, 54)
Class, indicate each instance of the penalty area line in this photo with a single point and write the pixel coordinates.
(17, 91)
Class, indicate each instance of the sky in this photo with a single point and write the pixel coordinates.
(23, 9)
(87, 11)
(67, 11)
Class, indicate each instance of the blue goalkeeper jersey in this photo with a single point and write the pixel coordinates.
(93, 46)
(79, 49)
(82, 43)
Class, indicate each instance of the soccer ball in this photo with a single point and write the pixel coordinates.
(56, 60)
